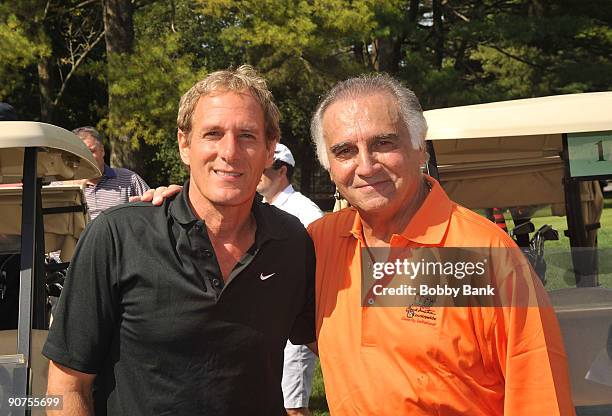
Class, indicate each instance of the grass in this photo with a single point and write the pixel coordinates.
(558, 275)
(559, 272)
(318, 404)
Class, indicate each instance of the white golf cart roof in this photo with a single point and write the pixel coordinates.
(556, 114)
(508, 153)
(64, 155)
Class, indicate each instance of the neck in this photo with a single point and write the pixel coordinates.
(379, 227)
(273, 194)
(221, 221)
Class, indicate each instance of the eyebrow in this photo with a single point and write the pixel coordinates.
(388, 136)
(339, 146)
(250, 128)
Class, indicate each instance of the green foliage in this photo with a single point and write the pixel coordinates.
(302, 48)
(519, 49)
(50, 36)
(490, 50)
(16, 54)
(148, 85)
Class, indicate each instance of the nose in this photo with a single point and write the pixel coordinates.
(227, 147)
(367, 165)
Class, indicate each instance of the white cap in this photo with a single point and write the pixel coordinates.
(283, 154)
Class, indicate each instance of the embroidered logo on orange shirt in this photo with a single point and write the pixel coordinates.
(420, 314)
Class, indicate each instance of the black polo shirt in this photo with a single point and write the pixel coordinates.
(146, 309)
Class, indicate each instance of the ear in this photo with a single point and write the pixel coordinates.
(331, 177)
(183, 144)
(423, 157)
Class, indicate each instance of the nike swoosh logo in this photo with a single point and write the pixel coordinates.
(266, 276)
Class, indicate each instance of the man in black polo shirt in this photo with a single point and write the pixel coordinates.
(185, 308)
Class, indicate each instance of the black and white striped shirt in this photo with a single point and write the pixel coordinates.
(115, 187)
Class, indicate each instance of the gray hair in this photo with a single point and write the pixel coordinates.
(408, 106)
(79, 131)
(243, 78)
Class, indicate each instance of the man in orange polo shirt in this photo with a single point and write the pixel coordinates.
(505, 360)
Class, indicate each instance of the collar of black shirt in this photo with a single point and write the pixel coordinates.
(270, 225)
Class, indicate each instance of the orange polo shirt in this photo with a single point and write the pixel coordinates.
(458, 361)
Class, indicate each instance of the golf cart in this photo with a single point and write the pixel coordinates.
(34, 220)
(524, 156)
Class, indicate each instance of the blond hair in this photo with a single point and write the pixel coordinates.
(243, 78)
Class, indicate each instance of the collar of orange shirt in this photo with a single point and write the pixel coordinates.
(429, 224)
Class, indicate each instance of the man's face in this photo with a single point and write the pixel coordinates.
(227, 150)
(96, 148)
(370, 154)
(270, 182)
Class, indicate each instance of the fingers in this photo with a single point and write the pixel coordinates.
(158, 195)
(163, 192)
(146, 197)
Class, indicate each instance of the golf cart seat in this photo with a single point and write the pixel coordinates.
(62, 229)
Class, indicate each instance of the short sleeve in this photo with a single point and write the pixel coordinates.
(139, 186)
(85, 319)
(303, 331)
(310, 213)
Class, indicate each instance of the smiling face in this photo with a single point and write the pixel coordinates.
(371, 159)
(226, 149)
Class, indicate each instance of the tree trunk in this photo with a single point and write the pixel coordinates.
(45, 87)
(413, 12)
(119, 26)
(438, 32)
(358, 52)
(388, 54)
(119, 36)
(537, 8)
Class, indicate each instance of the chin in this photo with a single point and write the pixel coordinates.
(234, 197)
(372, 207)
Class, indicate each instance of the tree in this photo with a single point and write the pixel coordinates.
(161, 66)
(301, 48)
(450, 52)
(119, 35)
(56, 37)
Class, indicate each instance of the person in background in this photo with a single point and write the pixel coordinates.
(275, 186)
(115, 186)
